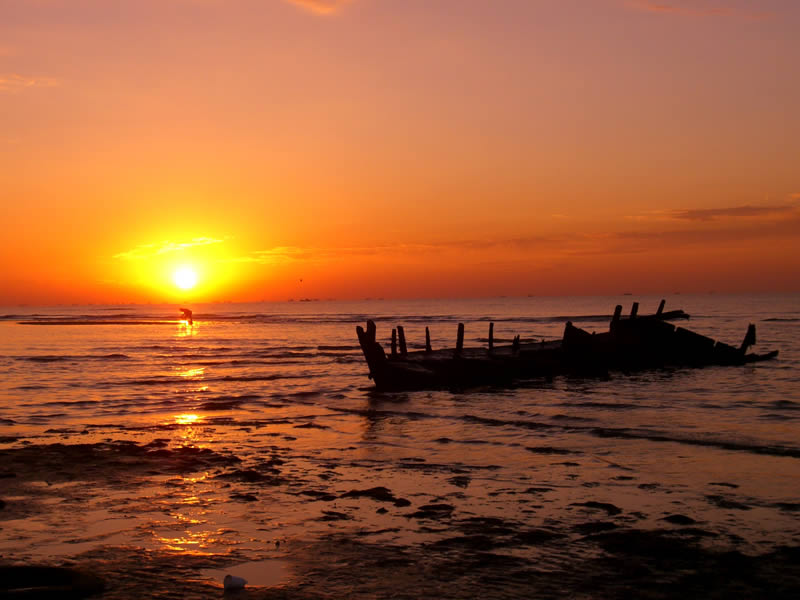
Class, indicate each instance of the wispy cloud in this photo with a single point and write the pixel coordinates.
(150, 250)
(714, 214)
(697, 8)
(710, 214)
(13, 82)
(523, 246)
(321, 7)
(730, 226)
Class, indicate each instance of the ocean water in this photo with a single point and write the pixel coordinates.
(132, 443)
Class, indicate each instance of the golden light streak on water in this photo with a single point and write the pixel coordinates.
(199, 372)
(187, 419)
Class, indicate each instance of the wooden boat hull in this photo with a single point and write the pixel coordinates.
(630, 344)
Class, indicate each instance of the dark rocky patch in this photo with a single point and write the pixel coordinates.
(697, 532)
(473, 542)
(322, 496)
(432, 511)
(549, 450)
(461, 481)
(644, 543)
(595, 527)
(332, 515)
(47, 582)
(487, 525)
(311, 425)
(679, 520)
(723, 502)
(534, 537)
(244, 497)
(380, 494)
(538, 490)
(609, 508)
(108, 460)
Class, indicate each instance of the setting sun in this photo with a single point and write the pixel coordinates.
(185, 278)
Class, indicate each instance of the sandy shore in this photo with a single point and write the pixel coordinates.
(329, 536)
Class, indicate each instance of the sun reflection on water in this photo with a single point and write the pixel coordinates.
(199, 372)
(185, 329)
(186, 419)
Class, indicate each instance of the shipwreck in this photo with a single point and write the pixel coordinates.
(632, 343)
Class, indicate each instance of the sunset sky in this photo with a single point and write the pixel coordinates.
(397, 148)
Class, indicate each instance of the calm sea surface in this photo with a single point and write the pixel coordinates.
(241, 438)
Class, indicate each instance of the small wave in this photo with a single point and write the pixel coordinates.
(177, 380)
(653, 436)
(47, 358)
(782, 320)
(785, 405)
(610, 405)
(98, 321)
(227, 402)
(338, 348)
(711, 443)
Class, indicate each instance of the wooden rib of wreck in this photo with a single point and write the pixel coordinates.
(634, 343)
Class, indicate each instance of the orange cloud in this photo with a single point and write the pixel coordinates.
(150, 250)
(321, 7)
(696, 8)
(709, 214)
(13, 82)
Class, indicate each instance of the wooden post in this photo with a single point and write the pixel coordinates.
(427, 340)
(634, 310)
(401, 334)
(491, 336)
(749, 338)
(617, 313)
(394, 342)
(515, 344)
(371, 329)
(460, 339)
(661, 307)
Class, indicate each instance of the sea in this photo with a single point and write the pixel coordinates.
(161, 455)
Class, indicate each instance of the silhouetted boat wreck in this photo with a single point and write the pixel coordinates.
(632, 343)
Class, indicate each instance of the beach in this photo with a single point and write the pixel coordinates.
(161, 456)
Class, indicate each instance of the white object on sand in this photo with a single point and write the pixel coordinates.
(231, 582)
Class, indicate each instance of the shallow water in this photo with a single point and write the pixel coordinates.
(128, 438)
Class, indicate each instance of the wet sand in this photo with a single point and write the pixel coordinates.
(167, 520)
